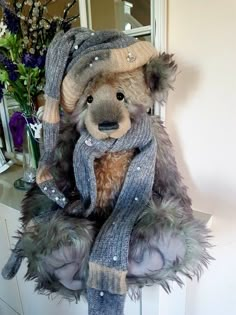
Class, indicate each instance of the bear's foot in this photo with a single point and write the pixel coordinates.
(165, 243)
(57, 249)
(161, 252)
(69, 265)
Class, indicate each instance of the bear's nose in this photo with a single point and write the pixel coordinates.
(108, 125)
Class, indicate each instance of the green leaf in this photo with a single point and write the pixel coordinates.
(4, 76)
(3, 42)
(21, 68)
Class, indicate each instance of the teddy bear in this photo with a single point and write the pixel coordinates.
(109, 210)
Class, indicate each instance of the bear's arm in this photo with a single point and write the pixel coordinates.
(168, 182)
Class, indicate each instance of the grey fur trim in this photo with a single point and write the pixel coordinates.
(168, 181)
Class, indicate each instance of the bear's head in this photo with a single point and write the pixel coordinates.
(112, 101)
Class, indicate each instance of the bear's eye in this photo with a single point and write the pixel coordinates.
(120, 96)
(89, 99)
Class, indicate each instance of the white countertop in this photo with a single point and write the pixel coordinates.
(9, 195)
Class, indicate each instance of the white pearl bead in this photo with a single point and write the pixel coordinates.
(88, 142)
(96, 58)
(136, 198)
(45, 188)
(53, 191)
(115, 258)
(138, 168)
(101, 293)
(90, 65)
(63, 199)
(92, 34)
(76, 47)
(56, 198)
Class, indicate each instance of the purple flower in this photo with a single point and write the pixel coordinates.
(13, 75)
(11, 20)
(32, 61)
(41, 61)
(17, 124)
(29, 60)
(11, 69)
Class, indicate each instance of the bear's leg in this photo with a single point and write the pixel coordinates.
(164, 241)
(13, 264)
(57, 250)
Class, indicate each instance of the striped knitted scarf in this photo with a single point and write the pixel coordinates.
(109, 256)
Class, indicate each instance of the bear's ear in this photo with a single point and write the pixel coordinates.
(160, 73)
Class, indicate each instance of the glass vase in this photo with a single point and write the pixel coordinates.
(31, 156)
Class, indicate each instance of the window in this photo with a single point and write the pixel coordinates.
(132, 17)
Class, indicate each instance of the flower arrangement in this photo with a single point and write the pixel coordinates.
(25, 33)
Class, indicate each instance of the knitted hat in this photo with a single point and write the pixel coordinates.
(73, 59)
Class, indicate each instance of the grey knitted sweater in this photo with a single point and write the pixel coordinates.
(109, 256)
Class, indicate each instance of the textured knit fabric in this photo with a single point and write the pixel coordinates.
(50, 132)
(88, 41)
(105, 303)
(109, 257)
(50, 189)
(57, 60)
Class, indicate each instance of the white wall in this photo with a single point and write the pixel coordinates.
(201, 120)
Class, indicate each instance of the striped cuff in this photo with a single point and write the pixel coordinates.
(107, 279)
